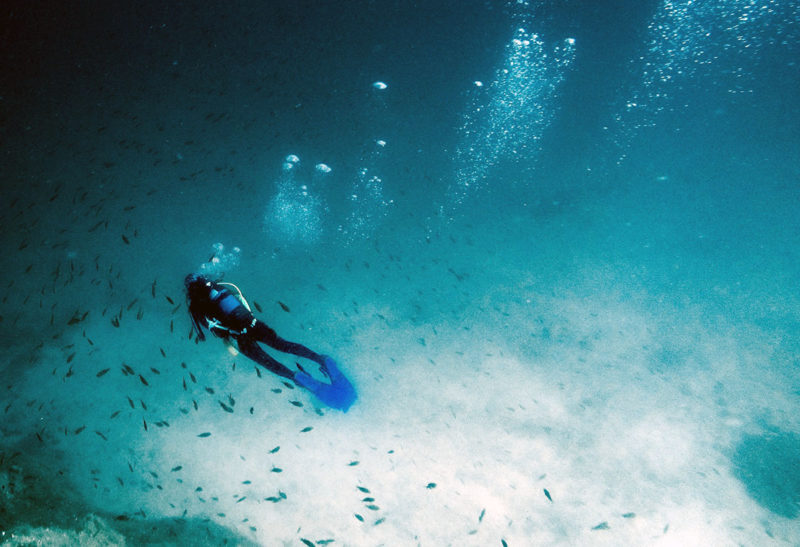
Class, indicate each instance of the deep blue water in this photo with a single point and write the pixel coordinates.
(555, 239)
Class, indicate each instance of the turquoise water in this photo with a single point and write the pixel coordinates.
(553, 244)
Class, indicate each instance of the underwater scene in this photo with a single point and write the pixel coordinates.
(379, 272)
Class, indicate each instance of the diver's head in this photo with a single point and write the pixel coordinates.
(194, 281)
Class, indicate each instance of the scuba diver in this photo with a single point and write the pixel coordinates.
(228, 316)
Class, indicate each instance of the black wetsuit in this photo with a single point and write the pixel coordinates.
(216, 308)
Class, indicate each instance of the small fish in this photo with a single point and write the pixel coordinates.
(373, 507)
(284, 307)
(430, 485)
(307, 542)
(170, 300)
(144, 423)
(353, 463)
(276, 470)
(126, 240)
(210, 390)
(114, 414)
(143, 380)
(296, 403)
(225, 407)
(306, 429)
(258, 372)
(362, 489)
(602, 526)
(547, 495)
(153, 288)
(204, 435)
(274, 449)
(102, 372)
(359, 517)
(155, 370)
(71, 357)
(99, 434)
(162, 352)
(177, 468)
(480, 518)
(628, 515)
(79, 430)
(130, 402)
(258, 306)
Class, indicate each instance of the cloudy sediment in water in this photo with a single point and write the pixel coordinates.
(554, 247)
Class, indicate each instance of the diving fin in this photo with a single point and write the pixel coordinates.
(339, 394)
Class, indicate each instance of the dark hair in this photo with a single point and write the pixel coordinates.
(195, 284)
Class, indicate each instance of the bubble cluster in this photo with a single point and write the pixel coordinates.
(298, 213)
(368, 204)
(709, 43)
(294, 214)
(507, 117)
(221, 261)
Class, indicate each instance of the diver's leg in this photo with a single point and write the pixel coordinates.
(263, 333)
(249, 347)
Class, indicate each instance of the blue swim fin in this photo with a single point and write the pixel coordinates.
(339, 394)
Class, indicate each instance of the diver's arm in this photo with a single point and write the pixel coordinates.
(196, 324)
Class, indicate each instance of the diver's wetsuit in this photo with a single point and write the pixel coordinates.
(213, 306)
